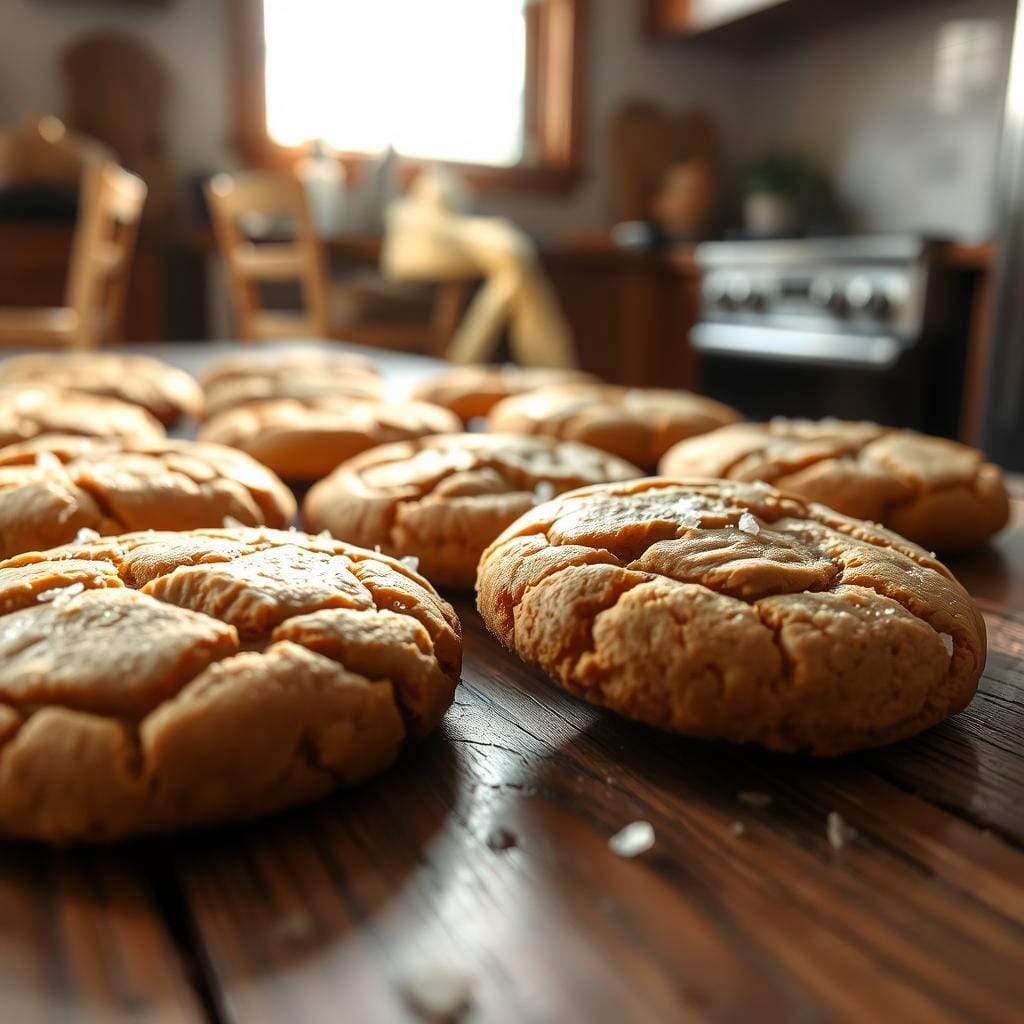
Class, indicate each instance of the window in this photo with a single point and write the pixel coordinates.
(488, 85)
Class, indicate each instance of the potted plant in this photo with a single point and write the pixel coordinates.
(782, 193)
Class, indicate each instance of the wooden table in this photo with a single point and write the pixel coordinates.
(485, 850)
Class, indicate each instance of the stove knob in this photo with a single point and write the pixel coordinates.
(739, 290)
(825, 295)
(860, 294)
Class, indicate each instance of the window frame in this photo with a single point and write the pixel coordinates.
(554, 103)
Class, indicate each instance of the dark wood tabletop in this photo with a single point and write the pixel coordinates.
(484, 851)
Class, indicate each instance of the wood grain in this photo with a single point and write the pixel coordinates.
(83, 939)
(485, 850)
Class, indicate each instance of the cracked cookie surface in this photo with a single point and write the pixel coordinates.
(734, 611)
(155, 681)
(300, 374)
(29, 410)
(937, 492)
(306, 440)
(472, 391)
(444, 499)
(54, 486)
(167, 392)
(638, 425)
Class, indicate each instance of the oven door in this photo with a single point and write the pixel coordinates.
(769, 371)
(808, 348)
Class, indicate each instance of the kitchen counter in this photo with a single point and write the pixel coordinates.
(484, 850)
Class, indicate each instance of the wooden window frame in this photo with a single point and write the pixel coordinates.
(554, 103)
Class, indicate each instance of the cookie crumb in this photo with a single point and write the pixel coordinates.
(838, 831)
(411, 562)
(754, 798)
(501, 839)
(748, 524)
(438, 993)
(86, 535)
(544, 491)
(47, 460)
(634, 839)
(737, 828)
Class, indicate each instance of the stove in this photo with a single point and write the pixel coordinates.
(855, 327)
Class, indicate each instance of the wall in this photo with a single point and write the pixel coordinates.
(190, 36)
(878, 104)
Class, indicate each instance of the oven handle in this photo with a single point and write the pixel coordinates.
(815, 348)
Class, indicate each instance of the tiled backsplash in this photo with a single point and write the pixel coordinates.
(903, 109)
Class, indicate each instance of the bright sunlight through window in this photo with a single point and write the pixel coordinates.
(439, 80)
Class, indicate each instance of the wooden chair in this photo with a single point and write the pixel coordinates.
(265, 233)
(110, 206)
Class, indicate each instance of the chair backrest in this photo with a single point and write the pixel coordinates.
(265, 205)
(110, 207)
(42, 152)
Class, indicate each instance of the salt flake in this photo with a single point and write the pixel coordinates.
(47, 460)
(947, 642)
(748, 524)
(737, 828)
(753, 798)
(636, 838)
(59, 596)
(838, 831)
(86, 535)
(438, 993)
(411, 562)
(231, 523)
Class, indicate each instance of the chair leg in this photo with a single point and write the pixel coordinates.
(448, 310)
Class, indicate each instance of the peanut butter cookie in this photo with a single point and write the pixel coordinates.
(734, 611)
(55, 486)
(443, 499)
(938, 493)
(157, 681)
(299, 373)
(306, 440)
(167, 392)
(638, 425)
(28, 411)
(472, 391)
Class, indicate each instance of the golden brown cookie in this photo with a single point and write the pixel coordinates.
(472, 391)
(734, 611)
(55, 486)
(167, 392)
(28, 411)
(299, 373)
(306, 440)
(157, 681)
(638, 425)
(442, 500)
(938, 493)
